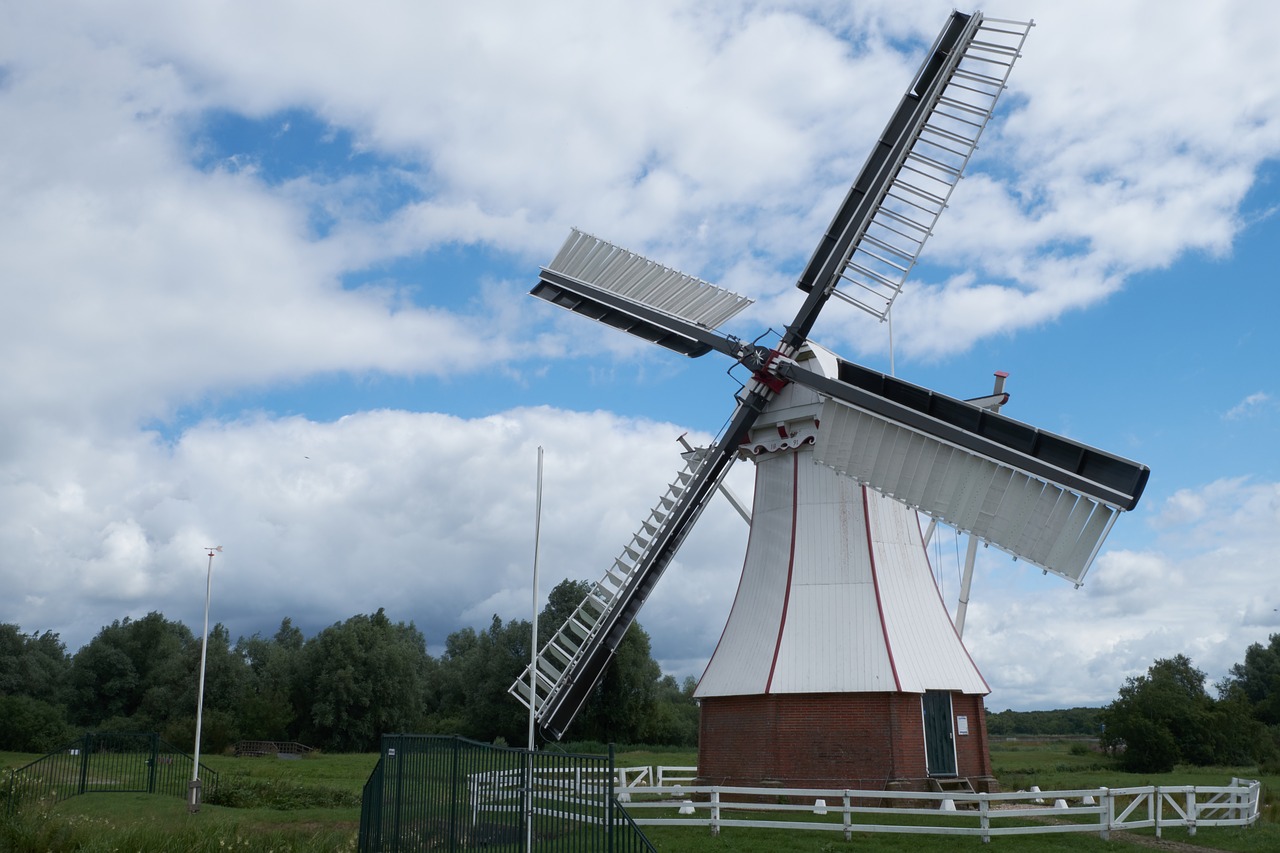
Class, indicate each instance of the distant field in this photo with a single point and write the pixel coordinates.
(109, 822)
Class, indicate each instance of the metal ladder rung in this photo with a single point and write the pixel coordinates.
(917, 242)
(937, 164)
(853, 300)
(908, 201)
(898, 217)
(978, 57)
(877, 289)
(868, 273)
(884, 261)
(981, 112)
(985, 93)
(949, 179)
(885, 296)
(939, 200)
(1026, 25)
(936, 144)
(905, 254)
(951, 135)
(994, 47)
(961, 119)
(978, 76)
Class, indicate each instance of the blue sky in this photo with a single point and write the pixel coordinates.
(265, 286)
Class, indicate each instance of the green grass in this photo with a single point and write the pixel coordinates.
(317, 809)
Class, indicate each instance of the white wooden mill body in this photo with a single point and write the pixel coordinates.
(837, 594)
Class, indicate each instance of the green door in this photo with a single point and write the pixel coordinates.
(939, 739)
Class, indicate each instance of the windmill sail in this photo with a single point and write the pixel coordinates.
(869, 257)
(1044, 498)
(605, 282)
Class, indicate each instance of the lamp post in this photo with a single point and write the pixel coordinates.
(193, 790)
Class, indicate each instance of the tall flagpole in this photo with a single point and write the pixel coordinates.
(533, 643)
(533, 660)
(193, 803)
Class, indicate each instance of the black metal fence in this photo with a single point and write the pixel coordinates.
(115, 762)
(432, 792)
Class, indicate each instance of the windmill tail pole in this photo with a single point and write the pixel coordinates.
(728, 493)
(970, 557)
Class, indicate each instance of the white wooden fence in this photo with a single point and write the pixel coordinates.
(674, 801)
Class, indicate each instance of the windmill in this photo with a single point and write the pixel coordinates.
(839, 662)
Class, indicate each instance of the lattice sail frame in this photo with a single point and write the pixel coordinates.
(926, 174)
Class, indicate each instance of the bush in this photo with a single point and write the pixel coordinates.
(239, 791)
(31, 725)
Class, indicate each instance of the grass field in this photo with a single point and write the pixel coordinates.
(313, 805)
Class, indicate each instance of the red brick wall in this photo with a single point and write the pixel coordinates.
(973, 753)
(856, 740)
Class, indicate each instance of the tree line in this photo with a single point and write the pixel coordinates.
(342, 688)
(338, 690)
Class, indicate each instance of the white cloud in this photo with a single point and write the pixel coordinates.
(1249, 406)
(718, 139)
(428, 515)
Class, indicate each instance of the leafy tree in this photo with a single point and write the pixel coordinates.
(33, 665)
(267, 710)
(365, 676)
(674, 718)
(32, 725)
(473, 676)
(112, 674)
(1166, 717)
(170, 704)
(1256, 681)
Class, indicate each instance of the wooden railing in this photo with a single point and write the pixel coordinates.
(258, 748)
(676, 802)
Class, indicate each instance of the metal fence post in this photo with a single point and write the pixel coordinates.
(453, 798)
(155, 759)
(399, 795)
(608, 806)
(84, 761)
